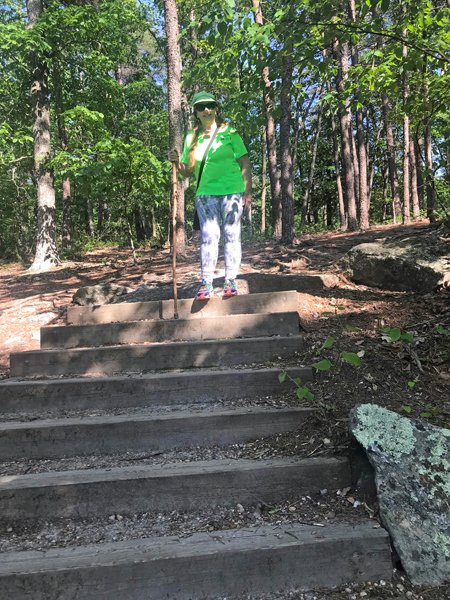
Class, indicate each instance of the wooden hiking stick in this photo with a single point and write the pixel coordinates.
(174, 239)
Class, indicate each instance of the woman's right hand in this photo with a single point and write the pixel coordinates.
(173, 156)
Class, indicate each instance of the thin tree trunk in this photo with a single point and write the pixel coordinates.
(264, 181)
(345, 123)
(46, 255)
(385, 189)
(312, 166)
(174, 106)
(90, 218)
(418, 144)
(414, 190)
(275, 187)
(372, 166)
(101, 209)
(154, 222)
(393, 176)
(287, 184)
(406, 204)
(337, 168)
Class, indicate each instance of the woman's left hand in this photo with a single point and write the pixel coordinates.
(247, 200)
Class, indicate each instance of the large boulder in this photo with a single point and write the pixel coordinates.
(414, 264)
(107, 293)
(411, 460)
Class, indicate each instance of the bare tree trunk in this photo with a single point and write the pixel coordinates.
(174, 102)
(62, 133)
(372, 166)
(264, 181)
(406, 205)
(90, 218)
(275, 187)
(385, 189)
(418, 145)
(345, 123)
(287, 184)
(46, 252)
(414, 186)
(337, 168)
(313, 165)
(154, 223)
(101, 209)
(393, 176)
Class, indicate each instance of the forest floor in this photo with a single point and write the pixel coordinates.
(409, 378)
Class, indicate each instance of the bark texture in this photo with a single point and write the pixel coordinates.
(287, 184)
(46, 252)
(175, 109)
(393, 176)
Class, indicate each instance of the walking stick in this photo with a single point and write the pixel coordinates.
(174, 242)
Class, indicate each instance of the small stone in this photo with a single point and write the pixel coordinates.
(400, 587)
(409, 594)
(362, 594)
(240, 508)
(324, 491)
(348, 590)
(326, 441)
(292, 508)
(119, 518)
(382, 582)
(9, 530)
(112, 518)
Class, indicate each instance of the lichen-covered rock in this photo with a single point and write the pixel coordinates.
(412, 472)
(409, 265)
(108, 293)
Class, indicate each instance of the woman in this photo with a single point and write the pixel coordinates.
(223, 192)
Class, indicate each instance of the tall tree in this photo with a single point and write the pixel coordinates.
(406, 145)
(175, 109)
(46, 255)
(287, 183)
(393, 175)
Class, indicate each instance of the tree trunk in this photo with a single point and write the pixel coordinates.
(341, 53)
(418, 144)
(393, 176)
(46, 252)
(174, 107)
(275, 188)
(264, 181)
(414, 186)
(287, 185)
(372, 166)
(337, 168)
(431, 198)
(90, 218)
(101, 209)
(313, 165)
(154, 222)
(406, 205)
(62, 133)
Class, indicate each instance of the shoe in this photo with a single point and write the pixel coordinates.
(206, 291)
(229, 288)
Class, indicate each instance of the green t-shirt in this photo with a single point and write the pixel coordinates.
(221, 173)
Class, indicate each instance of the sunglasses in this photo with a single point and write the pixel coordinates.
(209, 105)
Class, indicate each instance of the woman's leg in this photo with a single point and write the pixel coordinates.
(231, 207)
(208, 208)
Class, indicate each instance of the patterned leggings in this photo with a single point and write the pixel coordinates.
(211, 210)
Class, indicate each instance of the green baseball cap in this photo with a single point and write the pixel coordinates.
(203, 97)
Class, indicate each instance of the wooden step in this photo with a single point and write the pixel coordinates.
(187, 309)
(103, 393)
(55, 438)
(139, 332)
(258, 560)
(135, 359)
(196, 485)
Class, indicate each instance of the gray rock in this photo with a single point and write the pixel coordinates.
(107, 293)
(248, 283)
(415, 264)
(412, 472)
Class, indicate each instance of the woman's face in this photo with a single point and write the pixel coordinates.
(206, 116)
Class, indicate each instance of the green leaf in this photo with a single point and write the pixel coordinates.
(352, 358)
(328, 342)
(408, 337)
(304, 393)
(297, 380)
(323, 365)
(351, 328)
(282, 377)
(395, 334)
(222, 27)
(407, 409)
(427, 415)
(384, 5)
(411, 383)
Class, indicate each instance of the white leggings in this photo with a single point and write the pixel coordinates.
(211, 211)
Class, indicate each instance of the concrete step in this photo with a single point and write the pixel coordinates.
(139, 358)
(103, 393)
(254, 561)
(55, 438)
(139, 332)
(176, 486)
(187, 309)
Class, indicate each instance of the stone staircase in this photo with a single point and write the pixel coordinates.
(99, 388)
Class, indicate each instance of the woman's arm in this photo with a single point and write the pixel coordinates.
(246, 170)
